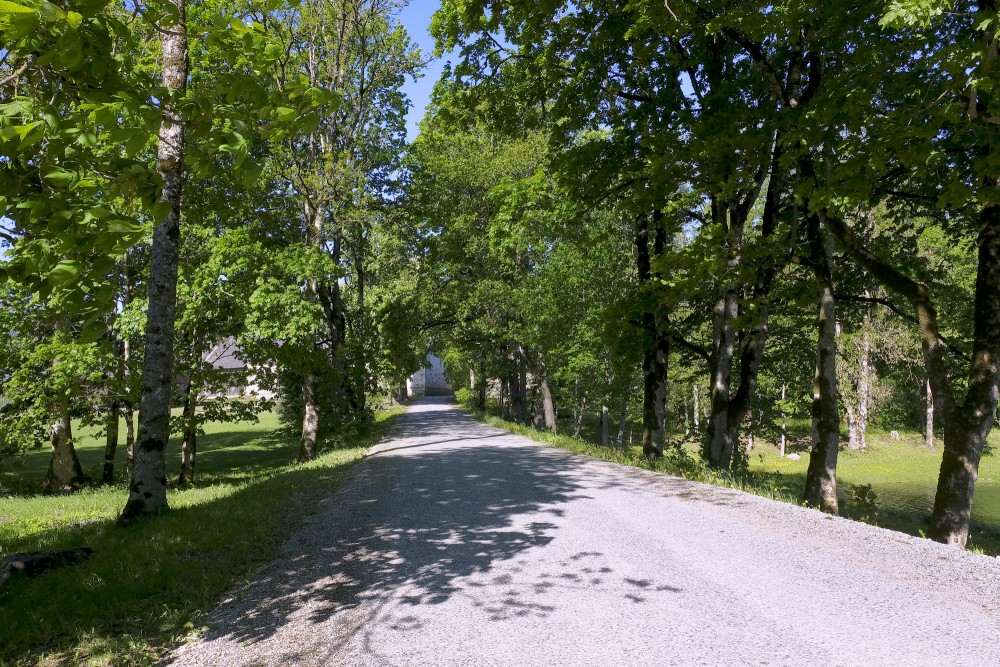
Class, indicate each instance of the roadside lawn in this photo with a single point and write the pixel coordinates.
(150, 583)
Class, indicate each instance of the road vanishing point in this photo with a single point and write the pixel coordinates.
(457, 544)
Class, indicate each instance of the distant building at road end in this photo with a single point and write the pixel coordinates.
(430, 380)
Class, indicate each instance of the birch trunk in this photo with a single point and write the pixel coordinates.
(696, 409)
(505, 398)
(929, 420)
(129, 440)
(784, 422)
(129, 412)
(605, 426)
(148, 483)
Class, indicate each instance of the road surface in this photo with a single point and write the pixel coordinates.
(455, 544)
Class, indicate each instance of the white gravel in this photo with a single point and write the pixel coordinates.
(459, 544)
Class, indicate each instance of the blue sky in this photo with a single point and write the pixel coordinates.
(416, 18)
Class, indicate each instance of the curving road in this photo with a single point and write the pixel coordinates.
(458, 544)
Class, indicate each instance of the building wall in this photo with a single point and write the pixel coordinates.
(430, 380)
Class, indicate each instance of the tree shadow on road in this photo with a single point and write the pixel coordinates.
(410, 526)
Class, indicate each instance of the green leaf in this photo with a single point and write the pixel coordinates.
(250, 172)
(64, 272)
(94, 331)
(161, 210)
(60, 177)
(7, 7)
(123, 227)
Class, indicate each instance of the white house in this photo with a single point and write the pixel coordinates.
(429, 380)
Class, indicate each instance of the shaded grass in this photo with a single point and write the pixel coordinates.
(150, 583)
(903, 475)
(226, 452)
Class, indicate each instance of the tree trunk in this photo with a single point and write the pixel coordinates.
(687, 418)
(622, 423)
(695, 410)
(111, 442)
(857, 416)
(129, 411)
(310, 420)
(719, 447)
(129, 440)
(605, 426)
(929, 420)
(522, 389)
(852, 425)
(401, 394)
(505, 398)
(148, 483)
(64, 472)
(548, 407)
(189, 443)
(821, 477)
(965, 426)
(481, 388)
(518, 391)
(966, 429)
(657, 353)
(784, 422)
(537, 417)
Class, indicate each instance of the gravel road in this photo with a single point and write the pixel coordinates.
(455, 543)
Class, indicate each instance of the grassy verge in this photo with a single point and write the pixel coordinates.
(781, 479)
(150, 583)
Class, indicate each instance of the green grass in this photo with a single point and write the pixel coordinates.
(902, 473)
(151, 583)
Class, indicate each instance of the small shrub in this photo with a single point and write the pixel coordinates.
(862, 503)
(464, 396)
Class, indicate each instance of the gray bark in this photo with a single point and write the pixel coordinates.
(622, 423)
(857, 414)
(548, 407)
(720, 440)
(148, 484)
(64, 472)
(965, 425)
(821, 477)
(310, 420)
